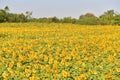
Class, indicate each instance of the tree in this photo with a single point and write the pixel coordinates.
(55, 19)
(88, 19)
(43, 20)
(67, 20)
(117, 19)
(107, 17)
(11, 17)
(20, 18)
(28, 14)
(2, 16)
(6, 9)
(16, 17)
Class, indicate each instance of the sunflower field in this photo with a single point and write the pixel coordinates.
(56, 51)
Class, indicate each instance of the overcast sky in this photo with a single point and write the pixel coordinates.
(60, 8)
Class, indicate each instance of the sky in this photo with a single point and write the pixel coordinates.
(61, 8)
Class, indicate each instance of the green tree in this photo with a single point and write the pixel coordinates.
(107, 17)
(16, 17)
(2, 16)
(20, 18)
(117, 19)
(74, 21)
(6, 9)
(55, 19)
(88, 19)
(67, 20)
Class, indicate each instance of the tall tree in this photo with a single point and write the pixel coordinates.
(67, 20)
(6, 9)
(2, 16)
(55, 19)
(117, 19)
(107, 17)
(88, 19)
(28, 14)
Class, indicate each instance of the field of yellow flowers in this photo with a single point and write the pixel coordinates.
(41, 51)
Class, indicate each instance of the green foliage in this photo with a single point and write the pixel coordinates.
(2, 15)
(107, 18)
(88, 19)
(6, 8)
(55, 19)
(117, 19)
(16, 17)
(67, 20)
(5, 16)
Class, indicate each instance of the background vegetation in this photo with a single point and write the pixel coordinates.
(109, 17)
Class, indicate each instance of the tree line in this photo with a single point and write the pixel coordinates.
(110, 17)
